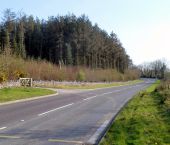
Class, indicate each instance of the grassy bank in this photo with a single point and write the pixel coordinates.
(12, 94)
(144, 121)
(85, 85)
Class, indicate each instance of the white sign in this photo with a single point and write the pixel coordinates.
(26, 82)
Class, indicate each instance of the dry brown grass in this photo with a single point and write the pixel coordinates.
(12, 68)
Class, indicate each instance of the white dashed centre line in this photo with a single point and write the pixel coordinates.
(44, 113)
(89, 98)
(1, 128)
(101, 95)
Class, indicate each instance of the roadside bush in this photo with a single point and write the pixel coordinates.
(3, 77)
(163, 90)
(164, 96)
(80, 76)
(19, 74)
(161, 87)
(143, 94)
(165, 85)
(15, 67)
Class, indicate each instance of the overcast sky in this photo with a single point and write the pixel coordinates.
(143, 26)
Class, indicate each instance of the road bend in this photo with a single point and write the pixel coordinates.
(70, 118)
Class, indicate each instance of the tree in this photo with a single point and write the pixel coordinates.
(7, 45)
(14, 45)
(20, 40)
(63, 39)
(155, 69)
(69, 59)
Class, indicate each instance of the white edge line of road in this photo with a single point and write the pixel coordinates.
(44, 113)
(1, 128)
(45, 96)
(28, 99)
(99, 131)
(94, 139)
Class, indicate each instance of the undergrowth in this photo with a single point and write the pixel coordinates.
(12, 68)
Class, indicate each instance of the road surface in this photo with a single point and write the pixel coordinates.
(72, 117)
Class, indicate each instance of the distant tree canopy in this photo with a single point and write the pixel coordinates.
(155, 69)
(68, 40)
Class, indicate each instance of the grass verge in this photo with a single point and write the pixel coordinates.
(144, 121)
(12, 94)
(87, 85)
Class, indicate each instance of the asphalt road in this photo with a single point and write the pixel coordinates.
(72, 117)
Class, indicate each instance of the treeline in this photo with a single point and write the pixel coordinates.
(62, 40)
(155, 69)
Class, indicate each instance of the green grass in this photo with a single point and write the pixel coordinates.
(91, 86)
(144, 121)
(152, 87)
(11, 94)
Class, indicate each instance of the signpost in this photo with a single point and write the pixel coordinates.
(25, 82)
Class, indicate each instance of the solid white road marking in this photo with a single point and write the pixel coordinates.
(95, 136)
(1, 128)
(9, 137)
(55, 109)
(65, 141)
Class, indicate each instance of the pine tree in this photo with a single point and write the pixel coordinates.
(0, 38)
(21, 45)
(61, 40)
(14, 45)
(69, 59)
(7, 46)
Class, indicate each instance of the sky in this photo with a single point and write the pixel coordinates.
(143, 26)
